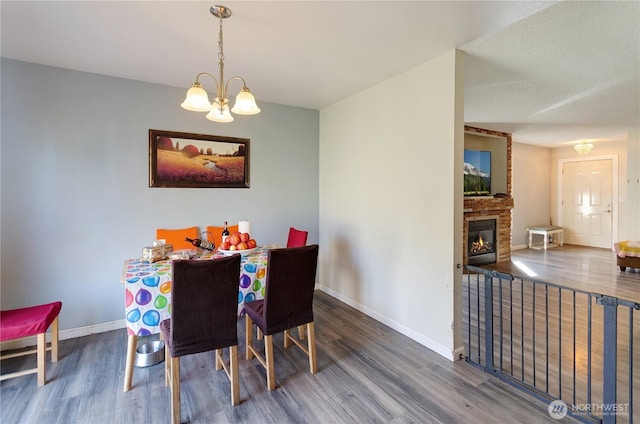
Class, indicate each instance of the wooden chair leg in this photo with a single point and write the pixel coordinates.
(258, 333)
(301, 332)
(175, 390)
(311, 347)
(218, 355)
(234, 377)
(268, 353)
(54, 340)
(167, 365)
(287, 340)
(128, 369)
(42, 357)
(248, 337)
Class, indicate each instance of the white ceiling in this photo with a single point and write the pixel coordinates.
(550, 73)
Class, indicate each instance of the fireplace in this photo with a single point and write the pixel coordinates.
(496, 208)
(481, 242)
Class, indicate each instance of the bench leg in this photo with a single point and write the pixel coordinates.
(42, 356)
(54, 340)
(561, 237)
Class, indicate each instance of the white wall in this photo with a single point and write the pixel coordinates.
(631, 228)
(604, 149)
(391, 201)
(75, 198)
(535, 185)
(531, 190)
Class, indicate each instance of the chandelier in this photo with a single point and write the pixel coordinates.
(197, 99)
(583, 148)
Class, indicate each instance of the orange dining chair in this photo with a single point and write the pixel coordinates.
(204, 316)
(27, 322)
(297, 238)
(176, 237)
(214, 234)
(287, 303)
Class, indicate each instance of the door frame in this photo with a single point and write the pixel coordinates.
(614, 189)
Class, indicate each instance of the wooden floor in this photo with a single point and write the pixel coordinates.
(367, 373)
(584, 268)
(542, 337)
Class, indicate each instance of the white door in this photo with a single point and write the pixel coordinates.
(587, 202)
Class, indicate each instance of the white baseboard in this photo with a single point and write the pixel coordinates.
(520, 247)
(71, 333)
(420, 338)
(458, 353)
(88, 330)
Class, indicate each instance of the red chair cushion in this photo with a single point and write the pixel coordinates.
(297, 238)
(25, 322)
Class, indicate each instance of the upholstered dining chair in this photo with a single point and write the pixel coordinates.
(27, 322)
(214, 234)
(176, 237)
(204, 314)
(288, 303)
(297, 238)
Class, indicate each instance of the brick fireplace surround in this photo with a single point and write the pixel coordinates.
(489, 207)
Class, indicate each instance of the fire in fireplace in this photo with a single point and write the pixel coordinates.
(480, 246)
(481, 242)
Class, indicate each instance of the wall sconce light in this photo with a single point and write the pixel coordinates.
(583, 148)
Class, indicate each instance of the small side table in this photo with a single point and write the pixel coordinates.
(548, 232)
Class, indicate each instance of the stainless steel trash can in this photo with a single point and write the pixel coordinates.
(149, 353)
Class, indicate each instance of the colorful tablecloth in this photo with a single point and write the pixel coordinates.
(148, 289)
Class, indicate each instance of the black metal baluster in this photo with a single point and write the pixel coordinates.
(522, 326)
(559, 343)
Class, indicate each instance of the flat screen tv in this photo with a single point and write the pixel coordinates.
(477, 172)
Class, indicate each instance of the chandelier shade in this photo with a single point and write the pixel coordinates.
(197, 99)
(245, 103)
(583, 148)
(219, 114)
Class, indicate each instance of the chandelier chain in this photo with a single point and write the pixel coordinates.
(220, 46)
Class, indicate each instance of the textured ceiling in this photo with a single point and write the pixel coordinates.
(570, 72)
(550, 73)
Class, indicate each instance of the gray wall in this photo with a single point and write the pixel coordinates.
(75, 198)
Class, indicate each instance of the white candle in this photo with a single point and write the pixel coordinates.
(244, 227)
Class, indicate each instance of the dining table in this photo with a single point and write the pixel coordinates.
(147, 287)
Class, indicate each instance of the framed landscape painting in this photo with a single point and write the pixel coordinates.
(179, 159)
